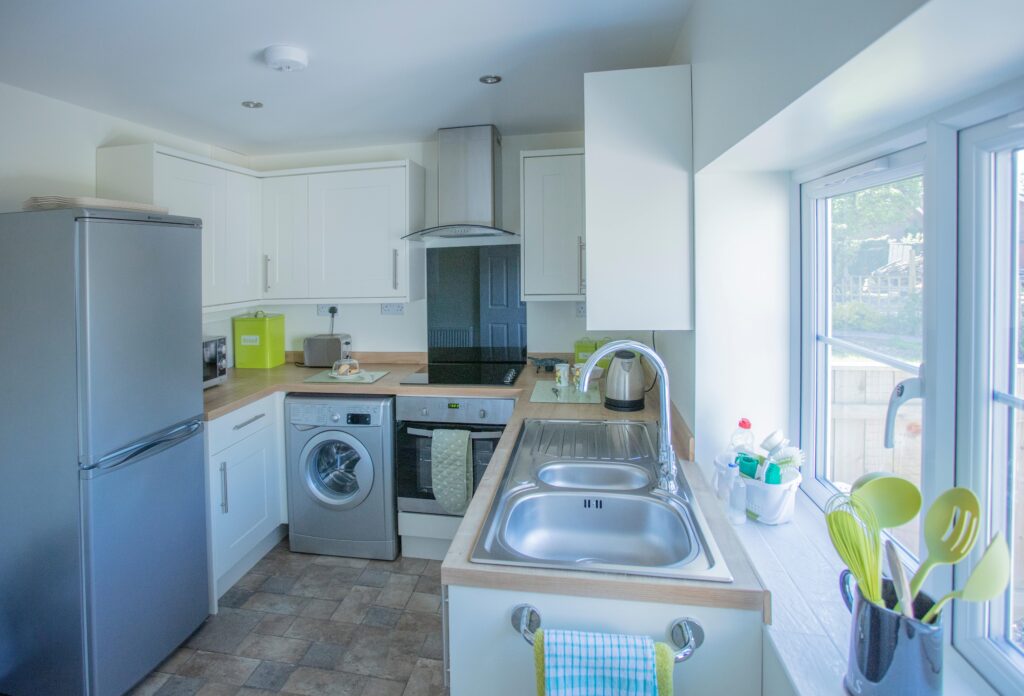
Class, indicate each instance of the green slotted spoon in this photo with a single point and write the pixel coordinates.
(950, 530)
(987, 580)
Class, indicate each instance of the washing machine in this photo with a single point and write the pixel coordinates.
(341, 475)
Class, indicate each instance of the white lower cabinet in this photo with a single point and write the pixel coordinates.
(487, 656)
(246, 490)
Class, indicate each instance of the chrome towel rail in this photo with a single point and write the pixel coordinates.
(686, 633)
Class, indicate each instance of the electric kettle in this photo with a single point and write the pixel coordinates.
(624, 383)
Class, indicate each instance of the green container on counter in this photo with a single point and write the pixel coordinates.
(259, 340)
(582, 349)
(585, 346)
(604, 362)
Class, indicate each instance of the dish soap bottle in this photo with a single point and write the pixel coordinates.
(742, 439)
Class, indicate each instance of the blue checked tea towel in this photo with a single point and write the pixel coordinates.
(579, 663)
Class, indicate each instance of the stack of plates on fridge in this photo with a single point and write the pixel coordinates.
(58, 202)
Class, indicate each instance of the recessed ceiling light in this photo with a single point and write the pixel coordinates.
(252, 104)
(490, 79)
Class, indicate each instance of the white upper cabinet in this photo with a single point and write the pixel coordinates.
(356, 223)
(300, 235)
(554, 237)
(357, 219)
(187, 188)
(241, 238)
(639, 199)
(228, 202)
(285, 258)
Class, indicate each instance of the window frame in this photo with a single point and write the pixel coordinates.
(985, 157)
(900, 162)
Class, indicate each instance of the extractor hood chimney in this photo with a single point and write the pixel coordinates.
(468, 185)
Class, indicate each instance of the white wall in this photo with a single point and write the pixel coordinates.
(370, 330)
(48, 147)
(751, 59)
(742, 306)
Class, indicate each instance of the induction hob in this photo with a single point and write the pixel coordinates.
(483, 374)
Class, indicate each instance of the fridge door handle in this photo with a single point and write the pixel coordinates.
(124, 457)
(911, 388)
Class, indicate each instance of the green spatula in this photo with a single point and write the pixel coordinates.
(987, 580)
(950, 530)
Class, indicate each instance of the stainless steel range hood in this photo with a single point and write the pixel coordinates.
(468, 186)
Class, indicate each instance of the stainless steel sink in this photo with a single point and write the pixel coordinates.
(594, 475)
(575, 527)
(595, 507)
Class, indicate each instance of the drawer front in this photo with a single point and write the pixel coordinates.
(238, 425)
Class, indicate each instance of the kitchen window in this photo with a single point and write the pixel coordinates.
(990, 389)
(870, 322)
(863, 260)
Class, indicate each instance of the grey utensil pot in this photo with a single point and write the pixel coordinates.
(891, 653)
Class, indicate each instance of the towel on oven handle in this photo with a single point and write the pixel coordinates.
(452, 469)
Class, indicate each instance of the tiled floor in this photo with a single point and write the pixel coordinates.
(304, 624)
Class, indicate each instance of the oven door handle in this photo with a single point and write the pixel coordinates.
(420, 432)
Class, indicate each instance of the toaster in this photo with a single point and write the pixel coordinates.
(326, 349)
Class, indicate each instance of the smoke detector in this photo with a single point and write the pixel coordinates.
(286, 58)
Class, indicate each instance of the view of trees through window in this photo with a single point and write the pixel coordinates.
(877, 267)
(875, 275)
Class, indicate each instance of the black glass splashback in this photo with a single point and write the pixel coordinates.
(475, 314)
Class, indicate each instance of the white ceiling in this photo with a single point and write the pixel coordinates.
(379, 71)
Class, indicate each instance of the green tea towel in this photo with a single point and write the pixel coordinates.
(452, 470)
(664, 665)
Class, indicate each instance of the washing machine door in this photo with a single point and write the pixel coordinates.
(336, 470)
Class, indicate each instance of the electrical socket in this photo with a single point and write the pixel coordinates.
(392, 308)
(581, 310)
(324, 310)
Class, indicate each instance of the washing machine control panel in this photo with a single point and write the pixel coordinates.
(327, 415)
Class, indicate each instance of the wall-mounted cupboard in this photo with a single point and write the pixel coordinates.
(554, 229)
(324, 234)
(639, 199)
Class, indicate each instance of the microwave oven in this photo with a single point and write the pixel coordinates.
(215, 360)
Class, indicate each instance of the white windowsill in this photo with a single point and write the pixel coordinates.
(810, 625)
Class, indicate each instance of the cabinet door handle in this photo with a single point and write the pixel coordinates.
(580, 249)
(394, 269)
(249, 421)
(266, 272)
(224, 487)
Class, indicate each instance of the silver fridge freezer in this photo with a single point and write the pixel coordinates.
(103, 567)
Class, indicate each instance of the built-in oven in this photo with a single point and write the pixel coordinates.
(419, 417)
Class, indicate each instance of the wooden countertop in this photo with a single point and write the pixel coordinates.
(745, 592)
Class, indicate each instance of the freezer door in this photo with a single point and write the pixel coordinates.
(144, 524)
(139, 331)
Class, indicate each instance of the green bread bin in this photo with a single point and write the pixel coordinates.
(259, 340)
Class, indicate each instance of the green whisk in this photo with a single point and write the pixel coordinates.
(855, 535)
